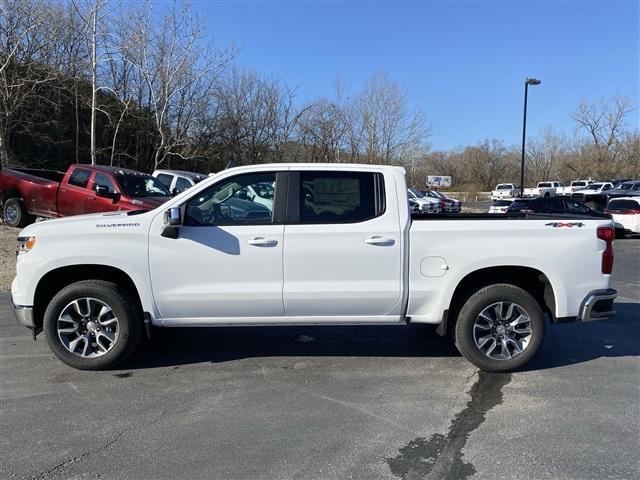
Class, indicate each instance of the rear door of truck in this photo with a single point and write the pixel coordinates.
(342, 247)
(73, 191)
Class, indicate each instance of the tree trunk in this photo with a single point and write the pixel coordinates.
(4, 149)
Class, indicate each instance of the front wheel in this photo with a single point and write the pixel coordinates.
(93, 325)
(499, 328)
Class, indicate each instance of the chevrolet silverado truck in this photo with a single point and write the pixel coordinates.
(504, 191)
(543, 189)
(338, 246)
(28, 193)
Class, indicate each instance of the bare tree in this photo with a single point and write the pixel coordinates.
(544, 154)
(604, 123)
(177, 72)
(25, 48)
(391, 130)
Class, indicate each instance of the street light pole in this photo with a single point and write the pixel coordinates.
(527, 82)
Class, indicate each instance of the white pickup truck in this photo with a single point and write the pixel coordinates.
(504, 191)
(338, 247)
(574, 187)
(544, 189)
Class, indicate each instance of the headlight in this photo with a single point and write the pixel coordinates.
(25, 244)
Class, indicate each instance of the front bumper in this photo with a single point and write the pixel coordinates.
(598, 305)
(24, 315)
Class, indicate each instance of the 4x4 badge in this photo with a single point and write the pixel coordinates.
(564, 224)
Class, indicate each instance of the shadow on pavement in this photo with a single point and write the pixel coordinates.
(563, 345)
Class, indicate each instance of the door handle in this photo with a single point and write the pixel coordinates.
(91, 198)
(64, 190)
(262, 242)
(381, 241)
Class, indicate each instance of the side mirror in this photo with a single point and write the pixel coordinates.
(172, 222)
(174, 192)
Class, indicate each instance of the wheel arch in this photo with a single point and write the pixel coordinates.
(11, 192)
(528, 278)
(55, 280)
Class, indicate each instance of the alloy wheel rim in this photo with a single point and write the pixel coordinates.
(88, 327)
(502, 330)
(11, 213)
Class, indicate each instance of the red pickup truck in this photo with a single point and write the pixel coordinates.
(26, 194)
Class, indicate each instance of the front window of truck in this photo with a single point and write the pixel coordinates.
(140, 186)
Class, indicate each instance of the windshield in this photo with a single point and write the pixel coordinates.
(578, 184)
(138, 186)
(544, 185)
(417, 193)
(627, 186)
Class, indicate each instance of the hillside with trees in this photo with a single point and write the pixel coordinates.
(141, 85)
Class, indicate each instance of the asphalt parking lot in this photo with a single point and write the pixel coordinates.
(329, 403)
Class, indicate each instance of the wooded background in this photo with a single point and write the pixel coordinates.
(141, 85)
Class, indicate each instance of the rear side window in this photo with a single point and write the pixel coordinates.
(181, 184)
(80, 177)
(165, 178)
(544, 185)
(340, 197)
(555, 203)
(623, 205)
(575, 206)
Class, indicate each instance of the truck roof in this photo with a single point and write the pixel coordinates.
(318, 166)
(109, 169)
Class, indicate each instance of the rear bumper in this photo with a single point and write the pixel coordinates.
(598, 305)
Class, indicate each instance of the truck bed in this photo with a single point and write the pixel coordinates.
(502, 216)
(51, 175)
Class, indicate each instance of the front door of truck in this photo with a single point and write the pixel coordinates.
(227, 258)
(342, 249)
(101, 203)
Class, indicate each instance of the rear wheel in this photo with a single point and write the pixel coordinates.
(15, 214)
(499, 328)
(93, 325)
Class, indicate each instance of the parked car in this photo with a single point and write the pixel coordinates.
(574, 186)
(448, 205)
(27, 193)
(626, 189)
(177, 181)
(544, 189)
(500, 206)
(339, 247)
(616, 183)
(414, 206)
(626, 213)
(598, 187)
(427, 204)
(600, 200)
(553, 205)
(504, 190)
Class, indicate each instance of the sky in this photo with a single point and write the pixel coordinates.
(463, 63)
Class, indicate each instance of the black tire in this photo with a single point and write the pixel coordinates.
(483, 298)
(15, 214)
(124, 307)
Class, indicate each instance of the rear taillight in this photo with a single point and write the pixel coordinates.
(607, 234)
(624, 212)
